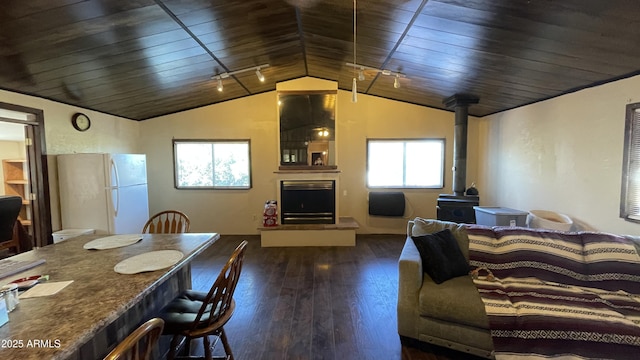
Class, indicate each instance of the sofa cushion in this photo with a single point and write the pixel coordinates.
(456, 300)
(423, 226)
(441, 256)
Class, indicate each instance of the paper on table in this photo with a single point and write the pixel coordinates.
(45, 289)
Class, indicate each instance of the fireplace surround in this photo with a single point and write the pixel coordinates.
(301, 230)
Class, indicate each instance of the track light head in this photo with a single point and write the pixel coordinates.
(396, 82)
(361, 74)
(259, 74)
(220, 86)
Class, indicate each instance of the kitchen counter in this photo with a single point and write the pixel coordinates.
(100, 307)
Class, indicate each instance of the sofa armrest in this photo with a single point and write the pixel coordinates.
(410, 267)
(410, 277)
(635, 239)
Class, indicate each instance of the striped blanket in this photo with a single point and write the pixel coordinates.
(558, 295)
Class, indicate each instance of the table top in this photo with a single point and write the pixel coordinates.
(53, 327)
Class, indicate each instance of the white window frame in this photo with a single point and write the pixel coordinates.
(212, 142)
(405, 165)
(630, 194)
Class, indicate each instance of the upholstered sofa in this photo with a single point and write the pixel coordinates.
(452, 313)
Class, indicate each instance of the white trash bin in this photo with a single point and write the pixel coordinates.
(544, 219)
(65, 234)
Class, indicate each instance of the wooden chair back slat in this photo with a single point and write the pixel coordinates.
(219, 300)
(167, 222)
(140, 343)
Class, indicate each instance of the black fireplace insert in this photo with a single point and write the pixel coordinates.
(308, 201)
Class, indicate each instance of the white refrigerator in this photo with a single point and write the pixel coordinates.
(105, 192)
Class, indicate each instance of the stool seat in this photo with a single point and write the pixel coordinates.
(182, 311)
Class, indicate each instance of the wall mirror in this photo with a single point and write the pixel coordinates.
(307, 128)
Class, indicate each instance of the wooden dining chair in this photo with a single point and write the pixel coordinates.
(195, 314)
(167, 222)
(9, 211)
(140, 343)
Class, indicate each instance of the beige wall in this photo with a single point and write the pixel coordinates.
(563, 154)
(255, 118)
(373, 117)
(108, 133)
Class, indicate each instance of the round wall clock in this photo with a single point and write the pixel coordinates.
(81, 122)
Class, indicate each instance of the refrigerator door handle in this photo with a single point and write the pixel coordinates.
(116, 178)
(116, 208)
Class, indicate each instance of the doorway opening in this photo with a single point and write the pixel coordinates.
(24, 171)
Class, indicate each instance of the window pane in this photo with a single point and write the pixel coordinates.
(630, 207)
(194, 165)
(385, 163)
(424, 163)
(405, 163)
(231, 164)
(212, 164)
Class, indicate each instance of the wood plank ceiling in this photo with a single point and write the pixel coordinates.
(143, 58)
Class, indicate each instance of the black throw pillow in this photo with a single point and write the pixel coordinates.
(441, 256)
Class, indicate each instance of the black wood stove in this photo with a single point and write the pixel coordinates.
(458, 207)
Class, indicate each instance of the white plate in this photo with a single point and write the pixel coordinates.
(150, 261)
(114, 241)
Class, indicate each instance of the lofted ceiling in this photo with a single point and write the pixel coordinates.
(143, 58)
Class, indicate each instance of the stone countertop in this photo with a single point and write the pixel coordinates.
(53, 327)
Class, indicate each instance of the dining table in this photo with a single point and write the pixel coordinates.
(111, 288)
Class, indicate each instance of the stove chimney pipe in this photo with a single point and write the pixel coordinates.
(460, 102)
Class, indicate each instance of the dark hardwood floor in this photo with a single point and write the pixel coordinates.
(315, 302)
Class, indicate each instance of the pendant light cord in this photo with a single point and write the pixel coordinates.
(354, 38)
(354, 83)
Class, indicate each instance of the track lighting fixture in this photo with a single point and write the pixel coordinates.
(225, 75)
(363, 68)
(361, 75)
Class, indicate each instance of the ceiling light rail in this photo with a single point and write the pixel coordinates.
(362, 68)
(225, 75)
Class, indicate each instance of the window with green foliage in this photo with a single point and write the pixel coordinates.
(212, 164)
(396, 163)
(630, 197)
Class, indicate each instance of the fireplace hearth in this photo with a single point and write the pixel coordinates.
(308, 202)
